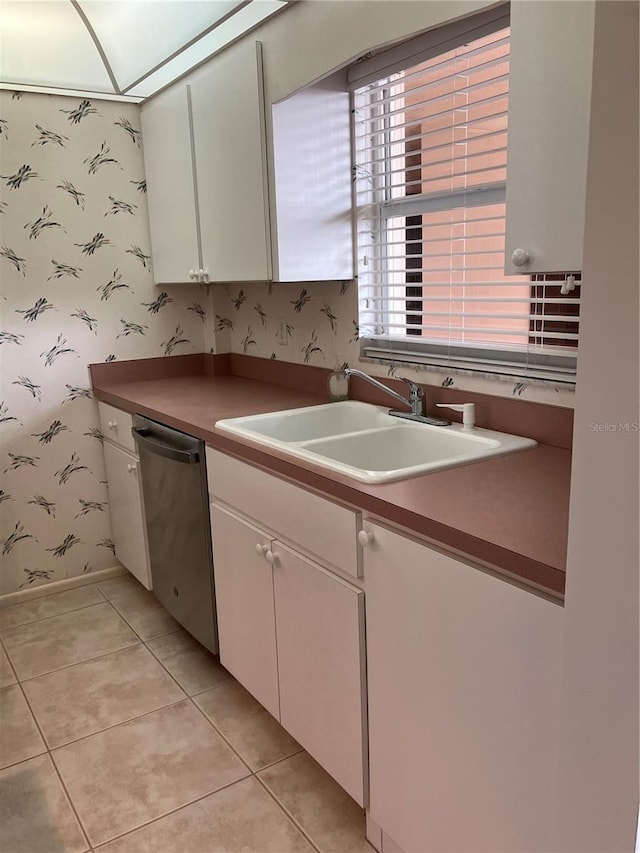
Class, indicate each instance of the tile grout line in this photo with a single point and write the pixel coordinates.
(9, 661)
(78, 662)
(52, 594)
(145, 643)
(284, 809)
(173, 811)
(139, 640)
(49, 750)
(50, 615)
(253, 773)
(51, 760)
(4, 631)
(219, 733)
(124, 722)
(130, 626)
(115, 725)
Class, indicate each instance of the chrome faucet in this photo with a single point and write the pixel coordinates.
(415, 400)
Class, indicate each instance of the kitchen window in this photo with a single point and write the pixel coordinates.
(430, 127)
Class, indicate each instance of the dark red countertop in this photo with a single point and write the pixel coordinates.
(508, 513)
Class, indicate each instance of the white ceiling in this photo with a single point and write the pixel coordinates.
(127, 48)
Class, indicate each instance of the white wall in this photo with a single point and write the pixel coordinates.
(315, 36)
(598, 793)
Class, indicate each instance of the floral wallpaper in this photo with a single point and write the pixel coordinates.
(76, 287)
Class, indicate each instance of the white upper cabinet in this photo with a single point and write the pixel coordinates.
(170, 186)
(549, 106)
(228, 190)
(311, 184)
(230, 165)
(206, 174)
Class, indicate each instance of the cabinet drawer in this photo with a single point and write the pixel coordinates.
(315, 524)
(116, 426)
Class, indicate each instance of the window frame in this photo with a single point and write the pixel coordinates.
(375, 344)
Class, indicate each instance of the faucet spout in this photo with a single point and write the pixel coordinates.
(415, 400)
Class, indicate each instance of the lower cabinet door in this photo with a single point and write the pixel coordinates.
(464, 676)
(127, 516)
(244, 600)
(321, 665)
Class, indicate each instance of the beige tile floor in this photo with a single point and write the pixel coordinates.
(119, 733)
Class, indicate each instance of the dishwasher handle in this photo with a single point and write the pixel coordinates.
(155, 445)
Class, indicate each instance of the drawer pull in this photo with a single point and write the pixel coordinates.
(261, 550)
(365, 538)
(112, 424)
(131, 468)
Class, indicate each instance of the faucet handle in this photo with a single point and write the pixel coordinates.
(416, 391)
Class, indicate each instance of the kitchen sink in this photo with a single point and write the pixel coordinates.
(312, 422)
(365, 442)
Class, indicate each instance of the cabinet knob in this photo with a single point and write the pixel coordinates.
(193, 275)
(261, 550)
(131, 468)
(365, 538)
(520, 258)
(203, 275)
(272, 557)
(112, 424)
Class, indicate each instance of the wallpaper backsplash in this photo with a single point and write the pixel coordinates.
(76, 287)
(320, 326)
(306, 323)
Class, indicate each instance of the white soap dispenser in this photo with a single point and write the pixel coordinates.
(468, 413)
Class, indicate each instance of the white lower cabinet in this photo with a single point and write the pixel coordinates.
(451, 736)
(128, 526)
(464, 673)
(292, 633)
(321, 665)
(244, 602)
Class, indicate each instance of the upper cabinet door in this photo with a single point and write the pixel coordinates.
(312, 205)
(170, 186)
(549, 106)
(229, 145)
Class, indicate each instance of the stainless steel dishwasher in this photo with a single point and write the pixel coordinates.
(176, 502)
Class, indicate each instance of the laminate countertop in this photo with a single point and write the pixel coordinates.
(508, 514)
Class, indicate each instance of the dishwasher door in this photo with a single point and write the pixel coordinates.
(176, 503)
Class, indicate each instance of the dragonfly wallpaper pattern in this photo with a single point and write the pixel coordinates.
(76, 287)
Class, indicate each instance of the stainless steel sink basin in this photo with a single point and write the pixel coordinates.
(364, 442)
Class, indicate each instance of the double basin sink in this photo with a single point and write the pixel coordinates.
(364, 442)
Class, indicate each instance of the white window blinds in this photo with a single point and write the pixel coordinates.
(430, 145)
